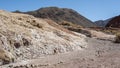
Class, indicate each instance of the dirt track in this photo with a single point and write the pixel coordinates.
(99, 54)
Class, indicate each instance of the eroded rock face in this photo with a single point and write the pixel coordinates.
(26, 37)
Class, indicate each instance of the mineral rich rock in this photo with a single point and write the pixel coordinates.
(23, 37)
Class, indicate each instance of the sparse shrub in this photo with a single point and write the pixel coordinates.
(19, 18)
(17, 11)
(65, 24)
(70, 24)
(25, 42)
(117, 39)
(33, 20)
(34, 23)
(17, 45)
(38, 25)
(28, 21)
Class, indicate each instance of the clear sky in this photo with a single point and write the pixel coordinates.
(91, 9)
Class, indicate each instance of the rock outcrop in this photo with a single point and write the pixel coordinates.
(23, 37)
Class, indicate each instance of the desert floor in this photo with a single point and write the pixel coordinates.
(98, 54)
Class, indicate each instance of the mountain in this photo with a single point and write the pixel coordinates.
(102, 23)
(24, 37)
(60, 15)
(114, 22)
(111, 22)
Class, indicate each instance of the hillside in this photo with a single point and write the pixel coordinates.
(61, 16)
(102, 23)
(114, 22)
(25, 37)
(111, 22)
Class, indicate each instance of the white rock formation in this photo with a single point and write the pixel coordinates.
(26, 37)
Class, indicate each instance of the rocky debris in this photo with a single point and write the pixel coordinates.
(59, 15)
(23, 37)
(6, 57)
(100, 35)
(80, 30)
(99, 54)
(94, 34)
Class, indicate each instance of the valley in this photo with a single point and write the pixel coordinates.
(55, 37)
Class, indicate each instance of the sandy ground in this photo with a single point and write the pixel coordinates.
(99, 54)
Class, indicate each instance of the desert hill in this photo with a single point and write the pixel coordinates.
(102, 23)
(113, 22)
(24, 37)
(61, 16)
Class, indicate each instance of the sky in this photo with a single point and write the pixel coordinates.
(91, 9)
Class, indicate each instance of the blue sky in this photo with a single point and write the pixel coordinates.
(91, 9)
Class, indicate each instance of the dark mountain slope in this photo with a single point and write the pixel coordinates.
(114, 22)
(111, 22)
(102, 23)
(60, 15)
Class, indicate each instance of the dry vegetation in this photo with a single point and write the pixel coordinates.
(111, 31)
(117, 39)
(70, 24)
(61, 14)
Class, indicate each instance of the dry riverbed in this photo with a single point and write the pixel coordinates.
(99, 54)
